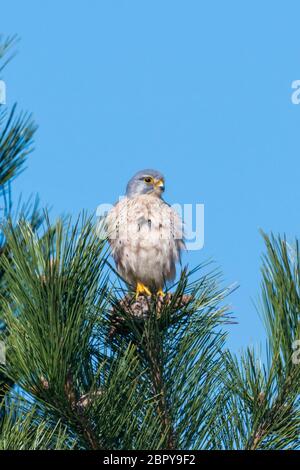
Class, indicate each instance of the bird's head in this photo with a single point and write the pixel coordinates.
(146, 182)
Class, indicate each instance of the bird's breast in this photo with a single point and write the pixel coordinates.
(144, 233)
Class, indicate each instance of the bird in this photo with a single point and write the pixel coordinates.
(145, 235)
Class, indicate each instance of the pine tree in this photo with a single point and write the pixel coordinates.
(89, 367)
(16, 139)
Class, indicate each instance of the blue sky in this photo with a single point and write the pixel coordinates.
(199, 90)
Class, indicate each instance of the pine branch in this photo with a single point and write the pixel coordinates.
(6, 44)
(263, 398)
(25, 428)
(57, 352)
(16, 139)
(176, 343)
(154, 353)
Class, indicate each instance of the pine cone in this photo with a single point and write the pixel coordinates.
(140, 310)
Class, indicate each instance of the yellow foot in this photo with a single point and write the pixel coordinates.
(160, 293)
(141, 289)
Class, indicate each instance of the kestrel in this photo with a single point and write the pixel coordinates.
(145, 234)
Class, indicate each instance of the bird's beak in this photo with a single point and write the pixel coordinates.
(159, 184)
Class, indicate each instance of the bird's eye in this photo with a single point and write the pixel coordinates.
(148, 179)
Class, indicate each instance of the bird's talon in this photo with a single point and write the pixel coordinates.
(141, 289)
(160, 293)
